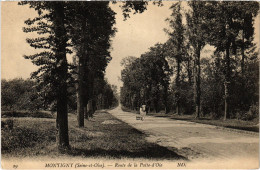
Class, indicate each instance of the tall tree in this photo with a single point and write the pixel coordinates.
(92, 43)
(52, 62)
(93, 27)
(176, 42)
(145, 79)
(244, 40)
(243, 45)
(225, 22)
(161, 71)
(196, 27)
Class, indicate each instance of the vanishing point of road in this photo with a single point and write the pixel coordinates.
(196, 141)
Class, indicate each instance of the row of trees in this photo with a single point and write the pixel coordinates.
(83, 29)
(224, 84)
(146, 79)
(19, 94)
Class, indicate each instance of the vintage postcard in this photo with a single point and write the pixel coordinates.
(130, 84)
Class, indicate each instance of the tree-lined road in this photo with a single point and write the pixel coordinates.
(194, 140)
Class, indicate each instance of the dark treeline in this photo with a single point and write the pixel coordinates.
(22, 95)
(19, 94)
(173, 77)
(79, 28)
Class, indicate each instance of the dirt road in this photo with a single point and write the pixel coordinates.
(196, 141)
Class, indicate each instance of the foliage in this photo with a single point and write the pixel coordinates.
(224, 84)
(145, 79)
(49, 58)
(90, 29)
(52, 76)
(227, 21)
(253, 113)
(176, 48)
(85, 26)
(19, 94)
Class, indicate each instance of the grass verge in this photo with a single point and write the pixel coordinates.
(38, 114)
(229, 123)
(102, 136)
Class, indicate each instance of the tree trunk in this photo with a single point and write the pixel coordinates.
(62, 71)
(243, 91)
(62, 120)
(189, 71)
(81, 91)
(89, 95)
(148, 97)
(197, 90)
(166, 99)
(177, 94)
(90, 108)
(243, 55)
(227, 80)
(156, 100)
(155, 105)
(94, 105)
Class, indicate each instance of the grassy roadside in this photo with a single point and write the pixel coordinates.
(229, 123)
(102, 136)
(37, 114)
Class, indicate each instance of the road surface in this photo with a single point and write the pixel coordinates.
(196, 141)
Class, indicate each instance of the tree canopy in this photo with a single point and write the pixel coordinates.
(217, 83)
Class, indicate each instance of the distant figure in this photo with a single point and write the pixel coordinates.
(142, 111)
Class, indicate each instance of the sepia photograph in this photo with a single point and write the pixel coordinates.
(130, 84)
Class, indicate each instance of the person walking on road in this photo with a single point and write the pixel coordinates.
(143, 112)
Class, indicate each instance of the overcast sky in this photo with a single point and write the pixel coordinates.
(134, 37)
